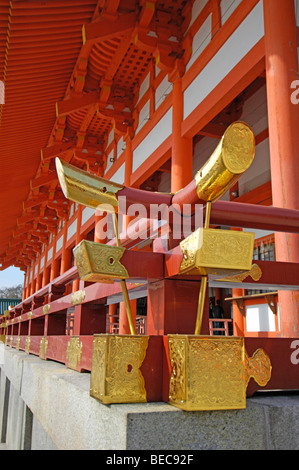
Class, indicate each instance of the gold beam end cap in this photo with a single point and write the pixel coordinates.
(238, 147)
(87, 189)
(97, 262)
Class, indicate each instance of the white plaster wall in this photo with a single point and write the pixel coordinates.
(197, 8)
(255, 113)
(201, 40)
(227, 8)
(109, 160)
(42, 262)
(72, 229)
(86, 214)
(259, 318)
(162, 91)
(119, 175)
(50, 254)
(121, 145)
(144, 86)
(143, 116)
(110, 137)
(59, 243)
(152, 141)
(236, 47)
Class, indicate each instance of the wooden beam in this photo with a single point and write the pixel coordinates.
(35, 201)
(43, 180)
(147, 13)
(105, 29)
(56, 149)
(71, 105)
(213, 130)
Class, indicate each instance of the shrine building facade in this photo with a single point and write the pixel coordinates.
(140, 93)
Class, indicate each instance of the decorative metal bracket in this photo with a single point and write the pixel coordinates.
(213, 374)
(99, 263)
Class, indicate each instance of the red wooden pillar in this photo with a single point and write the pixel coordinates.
(55, 263)
(124, 327)
(112, 317)
(66, 253)
(281, 71)
(182, 148)
(46, 271)
(28, 283)
(38, 276)
(89, 319)
(172, 308)
(24, 286)
(79, 238)
(238, 316)
(99, 237)
(33, 280)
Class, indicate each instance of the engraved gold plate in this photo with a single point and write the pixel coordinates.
(27, 345)
(115, 369)
(99, 263)
(46, 309)
(255, 273)
(213, 374)
(73, 352)
(78, 297)
(232, 157)
(221, 252)
(43, 346)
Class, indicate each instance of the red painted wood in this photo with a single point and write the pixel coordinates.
(285, 373)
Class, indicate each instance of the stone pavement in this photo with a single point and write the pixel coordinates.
(48, 407)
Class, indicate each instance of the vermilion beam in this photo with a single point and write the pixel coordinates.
(56, 149)
(74, 104)
(105, 29)
(243, 215)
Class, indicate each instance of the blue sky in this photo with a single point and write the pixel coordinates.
(11, 277)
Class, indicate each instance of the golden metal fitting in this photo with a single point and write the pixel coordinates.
(99, 263)
(232, 157)
(115, 370)
(87, 189)
(209, 373)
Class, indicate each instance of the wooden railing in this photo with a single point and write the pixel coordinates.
(223, 329)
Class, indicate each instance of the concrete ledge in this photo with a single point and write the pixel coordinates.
(44, 405)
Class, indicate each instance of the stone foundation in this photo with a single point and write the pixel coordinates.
(45, 406)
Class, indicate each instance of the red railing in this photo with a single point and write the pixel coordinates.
(45, 323)
(224, 328)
